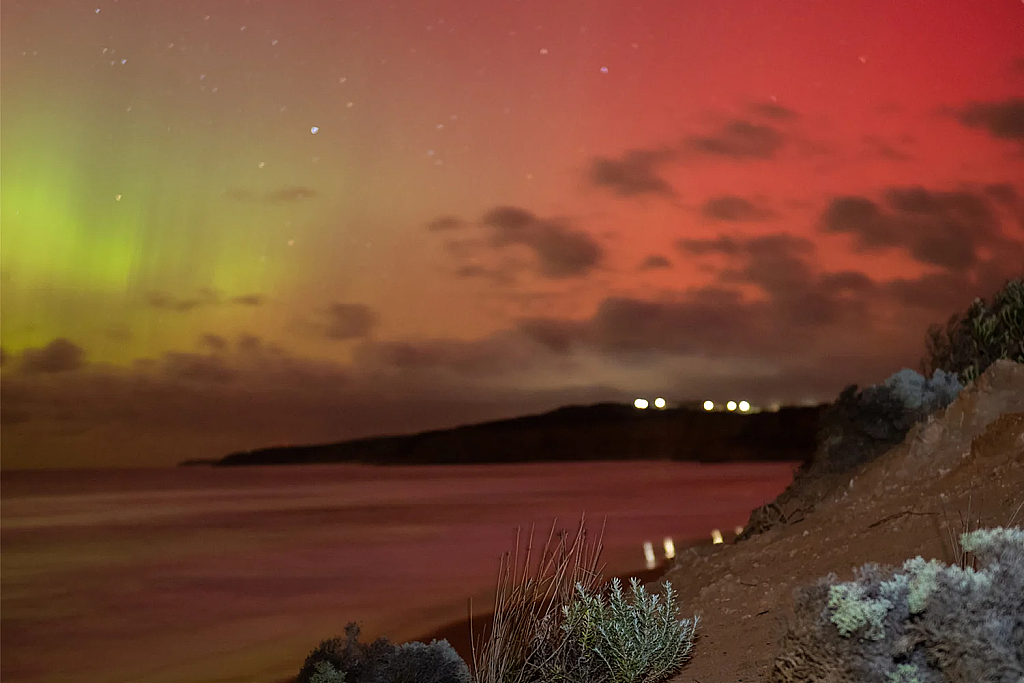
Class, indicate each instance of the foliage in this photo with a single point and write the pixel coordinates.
(861, 425)
(324, 672)
(924, 623)
(626, 640)
(418, 662)
(560, 623)
(346, 660)
(985, 333)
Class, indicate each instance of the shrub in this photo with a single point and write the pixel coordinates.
(346, 660)
(417, 662)
(984, 334)
(927, 622)
(353, 661)
(862, 425)
(626, 640)
(556, 624)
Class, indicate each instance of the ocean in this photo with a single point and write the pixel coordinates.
(232, 575)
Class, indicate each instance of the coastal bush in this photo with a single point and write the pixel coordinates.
(418, 662)
(861, 425)
(926, 622)
(972, 341)
(560, 623)
(346, 660)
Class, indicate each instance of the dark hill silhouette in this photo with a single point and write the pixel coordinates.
(604, 431)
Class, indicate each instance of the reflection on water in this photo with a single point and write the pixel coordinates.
(199, 575)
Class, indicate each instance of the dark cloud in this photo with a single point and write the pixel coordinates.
(772, 110)
(501, 276)
(655, 261)
(739, 140)
(719, 245)
(561, 251)
(194, 367)
(558, 336)
(248, 343)
(508, 220)
(944, 229)
(634, 173)
(777, 262)
(501, 354)
(204, 297)
(445, 223)
(166, 302)
(249, 300)
(3, 357)
(349, 321)
(60, 355)
(287, 194)
(1004, 120)
(1004, 193)
(875, 146)
(213, 342)
(847, 281)
(732, 208)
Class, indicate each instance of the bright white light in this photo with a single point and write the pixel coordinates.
(641, 403)
(649, 555)
(670, 548)
(716, 536)
(709, 405)
(744, 406)
(659, 402)
(314, 130)
(731, 405)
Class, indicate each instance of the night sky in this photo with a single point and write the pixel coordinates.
(231, 224)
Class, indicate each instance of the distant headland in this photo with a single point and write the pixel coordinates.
(603, 431)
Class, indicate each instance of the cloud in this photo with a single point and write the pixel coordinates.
(504, 353)
(166, 302)
(442, 223)
(249, 300)
(945, 229)
(282, 195)
(195, 367)
(204, 297)
(60, 355)
(720, 245)
(739, 140)
(349, 321)
(774, 111)
(1003, 120)
(655, 261)
(634, 173)
(732, 208)
(213, 342)
(561, 252)
(876, 146)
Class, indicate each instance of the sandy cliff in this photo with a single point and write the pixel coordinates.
(968, 457)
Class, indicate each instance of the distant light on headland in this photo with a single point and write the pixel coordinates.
(641, 403)
(716, 536)
(731, 405)
(659, 402)
(670, 548)
(744, 406)
(709, 405)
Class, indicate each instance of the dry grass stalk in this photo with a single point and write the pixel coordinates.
(528, 602)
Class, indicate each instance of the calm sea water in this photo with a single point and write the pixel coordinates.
(201, 575)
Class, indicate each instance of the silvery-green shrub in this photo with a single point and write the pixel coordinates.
(926, 622)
